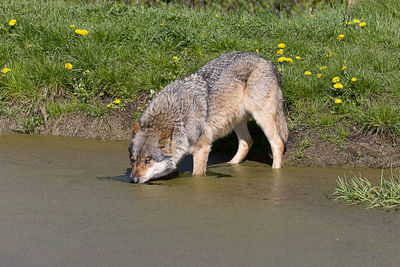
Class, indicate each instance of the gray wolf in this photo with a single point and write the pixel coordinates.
(188, 115)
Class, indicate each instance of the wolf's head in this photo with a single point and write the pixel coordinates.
(150, 153)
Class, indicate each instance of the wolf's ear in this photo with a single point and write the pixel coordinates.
(136, 129)
(166, 142)
(167, 134)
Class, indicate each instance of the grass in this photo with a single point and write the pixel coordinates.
(129, 51)
(361, 190)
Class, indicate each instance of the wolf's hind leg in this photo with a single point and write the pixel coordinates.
(200, 156)
(245, 141)
(267, 123)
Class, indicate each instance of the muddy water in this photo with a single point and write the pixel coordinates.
(67, 201)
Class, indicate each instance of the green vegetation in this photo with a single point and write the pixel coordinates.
(360, 190)
(130, 51)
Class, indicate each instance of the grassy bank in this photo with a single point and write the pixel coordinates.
(52, 68)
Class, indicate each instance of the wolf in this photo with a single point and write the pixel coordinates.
(187, 115)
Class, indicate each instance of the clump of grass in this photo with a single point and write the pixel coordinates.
(361, 190)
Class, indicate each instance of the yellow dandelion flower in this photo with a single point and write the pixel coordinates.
(87, 71)
(162, 24)
(110, 105)
(362, 24)
(356, 21)
(117, 101)
(289, 60)
(279, 69)
(338, 101)
(319, 75)
(175, 58)
(340, 36)
(338, 86)
(72, 26)
(29, 45)
(5, 70)
(281, 59)
(68, 66)
(297, 57)
(257, 51)
(336, 79)
(217, 16)
(280, 52)
(354, 79)
(281, 45)
(329, 54)
(81, 32)
(12, 22)
(323, 68)
(349, 23)
(344, 67)
(307, 73)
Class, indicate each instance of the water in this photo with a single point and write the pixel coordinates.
(66, 201)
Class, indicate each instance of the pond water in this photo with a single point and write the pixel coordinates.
(67, 201)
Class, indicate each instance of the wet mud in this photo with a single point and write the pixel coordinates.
(68, 201)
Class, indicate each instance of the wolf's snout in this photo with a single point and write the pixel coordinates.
(134, 178)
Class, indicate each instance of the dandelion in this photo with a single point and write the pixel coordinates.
(81, 32)
(281, 59)
(349, 22)
(354, 79)
(336, 79)
(257, 51)
(117, 101)
(29, 45)
(329, 54)
(217, 16)
(68, 66)
(175, 58)
(319, 75)
(72, 26)
(162, 24)
(281, 45)
(307, 73)
(340, 36)
(323, 68)
(12, 22)
(338, 101)
(5, 70)
(297, 57)
(87, 71)
(110, 105)
(289, 60)
(362, 24)
(356, 21)
(338, 86)
(280, 52)
(344, 67)
(279, 69)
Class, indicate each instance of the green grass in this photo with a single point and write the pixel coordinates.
(361, 190)
(128, 54)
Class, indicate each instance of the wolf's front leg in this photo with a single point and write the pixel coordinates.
(200, 156)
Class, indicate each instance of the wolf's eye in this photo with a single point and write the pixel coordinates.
(133, 160)
(147, 161)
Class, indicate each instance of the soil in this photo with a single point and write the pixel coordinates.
(370, 150)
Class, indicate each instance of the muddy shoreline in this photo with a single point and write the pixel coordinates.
(375, 151)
